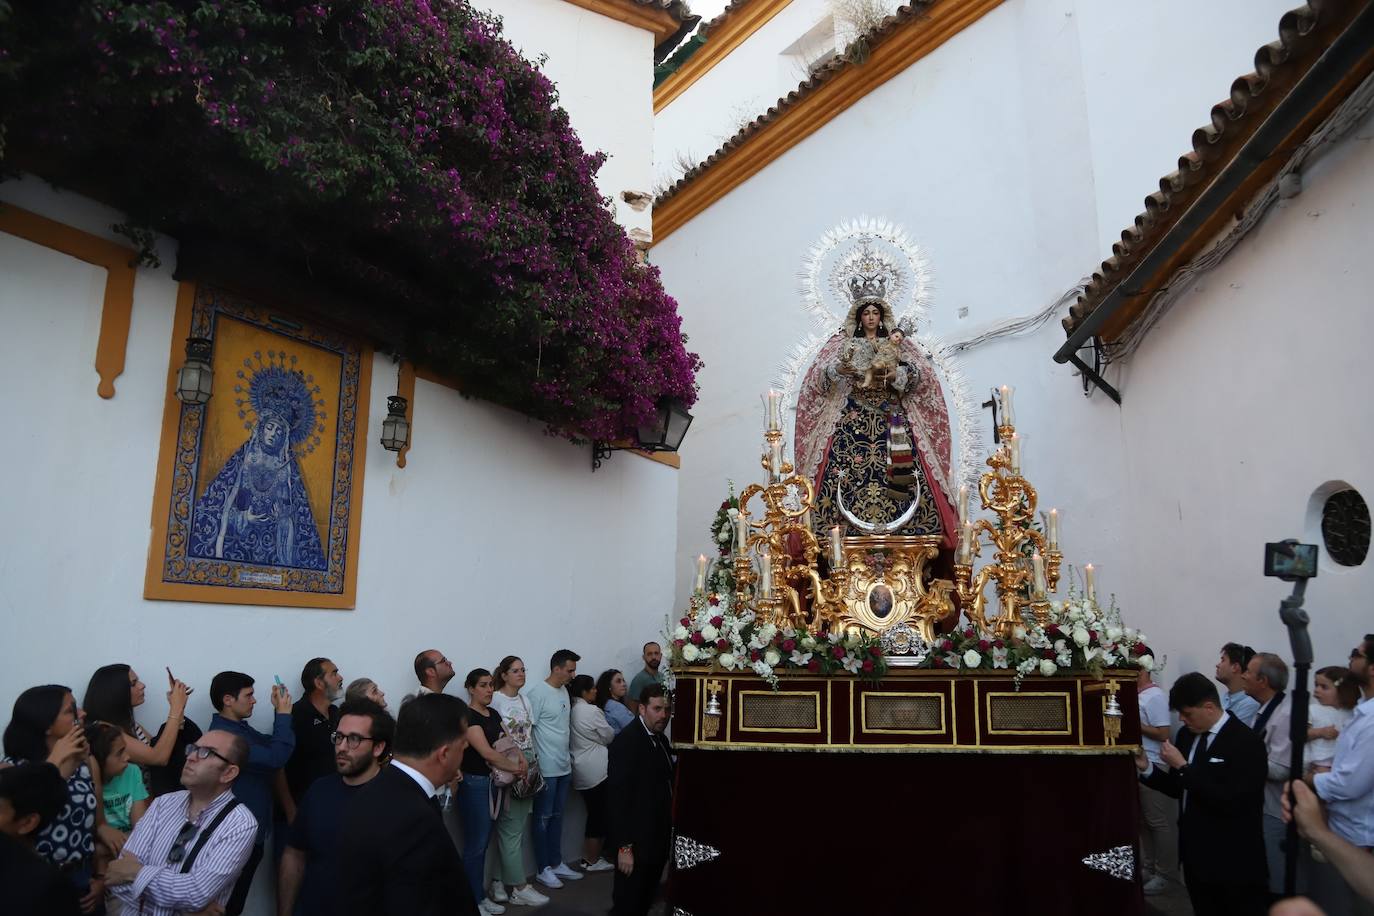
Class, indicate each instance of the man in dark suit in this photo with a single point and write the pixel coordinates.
(396, 857)
(1217, 772)
(641, 804)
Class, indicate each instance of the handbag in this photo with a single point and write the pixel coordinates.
(506, 747)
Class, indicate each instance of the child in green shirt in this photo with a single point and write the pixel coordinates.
(122, 789)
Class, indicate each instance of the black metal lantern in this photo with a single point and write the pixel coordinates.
(196, 378)
(664, 433)
(395, 428)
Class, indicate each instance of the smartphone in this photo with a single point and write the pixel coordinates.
(277, 678)
(170, 678)
(1290, 560)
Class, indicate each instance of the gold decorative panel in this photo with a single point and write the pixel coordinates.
(766, 711)
(904, 713)
(1028, 713)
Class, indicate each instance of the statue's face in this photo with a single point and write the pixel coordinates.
(272, 432)
(870, 317)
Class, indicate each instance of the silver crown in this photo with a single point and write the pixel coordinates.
(872, 288)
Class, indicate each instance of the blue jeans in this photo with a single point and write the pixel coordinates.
(548, 821)
(474, 811)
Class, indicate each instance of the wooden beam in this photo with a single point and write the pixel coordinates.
(651, 19)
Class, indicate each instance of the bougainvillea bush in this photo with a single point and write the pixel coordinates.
(397, 151)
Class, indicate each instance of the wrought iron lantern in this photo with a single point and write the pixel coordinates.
(395, 428)
(195, 379)
(664, 433)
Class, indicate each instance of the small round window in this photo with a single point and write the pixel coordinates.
(1345, 527)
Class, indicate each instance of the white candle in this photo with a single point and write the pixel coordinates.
(1054, 528)
(836, 548)
(1090, 581)
(741, 533)
(766, 577)
(1016, 453)
(1038, 566)
(963, 504)
(966, 543)
(701, 572)
(775, 461)
(806, 520)
(773, 409)
(1008, 417)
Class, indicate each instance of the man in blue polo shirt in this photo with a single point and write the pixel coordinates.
(231, 692)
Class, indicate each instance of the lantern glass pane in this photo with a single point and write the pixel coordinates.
(678, 421)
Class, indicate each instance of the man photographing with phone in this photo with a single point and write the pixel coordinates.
(231, 692)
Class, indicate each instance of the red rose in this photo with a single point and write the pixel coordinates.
(999, 644)
(686, 621)
(875, 651)
(696, 639)
(755, 655)
(838, 652)
(867, 666)
(722, 645)
(947, 646)
(938, 663)
(1053, 630)
(1092, 635)
(813, 665)
(679, 643)
(1142, 649)
(788, 645)
(969, 634)
(717, 620)
(725, 504)
(984, 645)
(714, 601)
(1048, 653)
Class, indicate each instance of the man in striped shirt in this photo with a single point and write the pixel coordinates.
(186, 851)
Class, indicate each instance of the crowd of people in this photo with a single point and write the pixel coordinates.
(1216, 798)
(349, 802)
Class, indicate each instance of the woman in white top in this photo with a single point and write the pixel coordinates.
(508, 678)
(1337, 694)
(590, 736)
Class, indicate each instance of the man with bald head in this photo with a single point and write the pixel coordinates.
(186, 852)
(433, 670)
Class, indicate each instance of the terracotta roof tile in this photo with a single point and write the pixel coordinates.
(822, 75)
(1303, 38)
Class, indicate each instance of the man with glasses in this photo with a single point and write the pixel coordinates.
(185, 853)
(433, 670)
(309, 866)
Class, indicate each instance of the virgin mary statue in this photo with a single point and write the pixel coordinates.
(872, 425)
(255, 509)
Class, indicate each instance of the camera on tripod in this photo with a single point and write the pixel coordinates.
(1290, 561)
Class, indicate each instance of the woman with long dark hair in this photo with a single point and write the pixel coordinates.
(46, 726)
(610, 697)
(112, 695)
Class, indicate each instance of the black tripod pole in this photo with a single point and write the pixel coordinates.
(1296, 619)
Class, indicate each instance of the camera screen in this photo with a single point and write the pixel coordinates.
(1298, 561)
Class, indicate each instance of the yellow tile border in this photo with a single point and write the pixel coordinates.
(118, 261)
(728, 35)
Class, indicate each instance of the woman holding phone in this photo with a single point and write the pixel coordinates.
(46, 727)
(113, 694)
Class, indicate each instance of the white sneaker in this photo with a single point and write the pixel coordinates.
(498, 892)
(490, 908)
(598, 865)
(1156, 885)
(564, 870)
(527, 896)
(548, 878)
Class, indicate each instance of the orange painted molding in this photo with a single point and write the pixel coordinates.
(914, 40)
(405, 387)
(118, 262)
(728, 35)
(659, 21)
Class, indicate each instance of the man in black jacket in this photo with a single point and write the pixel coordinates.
(1217, 772)
(641, 804)
(396, 857)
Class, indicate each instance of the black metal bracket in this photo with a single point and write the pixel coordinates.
(991, 404)
(600, 452)
(1093, 374)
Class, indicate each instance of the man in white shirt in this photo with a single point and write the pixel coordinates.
(1158, 812)
(1231, 666)
(1265, 680)
(186, 851)
(1348, 787)
(551, 710)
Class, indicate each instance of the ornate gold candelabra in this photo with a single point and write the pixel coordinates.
(1008, 494)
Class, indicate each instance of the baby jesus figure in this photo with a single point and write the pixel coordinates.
(886, 356)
